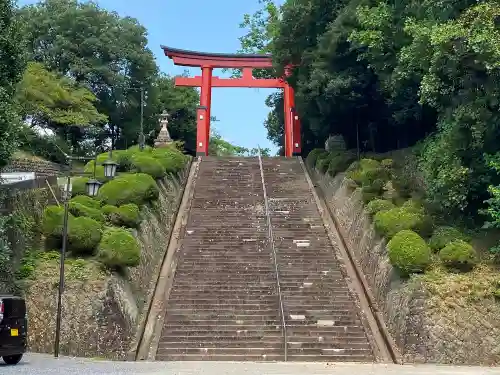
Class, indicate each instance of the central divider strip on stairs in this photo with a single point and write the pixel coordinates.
(271, 241)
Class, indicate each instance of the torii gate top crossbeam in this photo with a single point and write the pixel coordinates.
(217, 60)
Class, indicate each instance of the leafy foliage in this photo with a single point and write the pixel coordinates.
(459, 255)
(408, 252)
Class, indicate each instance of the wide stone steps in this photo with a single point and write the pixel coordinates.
(317, 300)
(224, 304)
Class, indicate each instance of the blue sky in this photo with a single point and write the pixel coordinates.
(210, 26)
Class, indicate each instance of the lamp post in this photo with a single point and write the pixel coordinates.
(92, 188)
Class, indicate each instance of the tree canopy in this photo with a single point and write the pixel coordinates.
(11, 68)
(390, 75)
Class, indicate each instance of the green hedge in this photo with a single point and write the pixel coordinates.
(390, 222)
(127, 215)
(137, 188)
(408, 252)
(84, 235)
(52, 222)
(442, 236)
(378, 205)
(312, 157)
(86, 201)
(145, 163)
(459, 255)
(78, 210)
(118, 248)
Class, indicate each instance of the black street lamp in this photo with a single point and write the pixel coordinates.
(92, 188)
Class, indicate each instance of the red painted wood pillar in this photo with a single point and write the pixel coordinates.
(203, 122)
(295, 121)
(288, 99)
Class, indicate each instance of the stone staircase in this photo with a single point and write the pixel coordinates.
(323, 321)
(224, 302)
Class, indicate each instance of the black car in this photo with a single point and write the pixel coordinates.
(13, 329)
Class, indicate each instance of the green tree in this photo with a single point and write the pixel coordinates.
(52, 101)
(11, 68)
(220, 147)
(98, 49)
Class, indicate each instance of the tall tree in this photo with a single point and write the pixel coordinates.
(11, 68)
(55, 102)
(99, 49)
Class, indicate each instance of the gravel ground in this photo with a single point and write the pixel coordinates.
(38, 364)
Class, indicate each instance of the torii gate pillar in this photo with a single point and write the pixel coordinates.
(207, 62)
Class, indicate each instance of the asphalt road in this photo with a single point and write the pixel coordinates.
(39, 364)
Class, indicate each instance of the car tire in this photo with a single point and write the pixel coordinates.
(12, 359)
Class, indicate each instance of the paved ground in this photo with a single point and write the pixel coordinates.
(36, 364)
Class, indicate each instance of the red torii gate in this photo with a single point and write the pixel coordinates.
(247, 62)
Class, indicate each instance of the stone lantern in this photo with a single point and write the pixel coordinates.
(163, 138)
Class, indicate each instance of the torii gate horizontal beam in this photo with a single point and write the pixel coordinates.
(217, 60)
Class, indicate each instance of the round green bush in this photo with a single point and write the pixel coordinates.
(84, 235)
(323, 161)
(127, 215)
(118, 248)
(86, 201)
(378, 205)
(145, 163)
(52, 222)
(313, 156)
(99, 171)
(390, 222)
(136, 148)
(366, 164)
(386, 163)
(459, 255)
(408, 252)
(442, 236)
(340, 163)
(172, 160)
(79, 186)
(369, 176)
(78, 210)
(414, 206)
(138, 188)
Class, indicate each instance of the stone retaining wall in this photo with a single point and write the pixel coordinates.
(42, 168)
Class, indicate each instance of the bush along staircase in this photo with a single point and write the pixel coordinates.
(257, 276)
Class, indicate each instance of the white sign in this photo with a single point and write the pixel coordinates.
(13, 177)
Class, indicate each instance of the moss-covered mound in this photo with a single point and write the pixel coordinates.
(84, 234)
(118, 248)
(442, 236)
(459, 255)
(78, 210)
(86, 201)
(137, 188)
(378, 205)
(408, 252)
(390, 222)
(53, 220)
(127, 215)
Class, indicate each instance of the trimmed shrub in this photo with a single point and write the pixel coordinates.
(172, 160)
(390, 222)
(323, 161)
(84, 235)
(138, 188)
(53, 220)
(340, 163)
(442, 236)
(79, 186)
(369, 176)
(312, 157)
(387, 163)
(99, 171)
(145, 163)
(378, 205)
(127, 215)
(459, 255)
(414, 206)
(366, 164)
(408, 252)
(86, 201)
(118, 248)
(78, 210)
